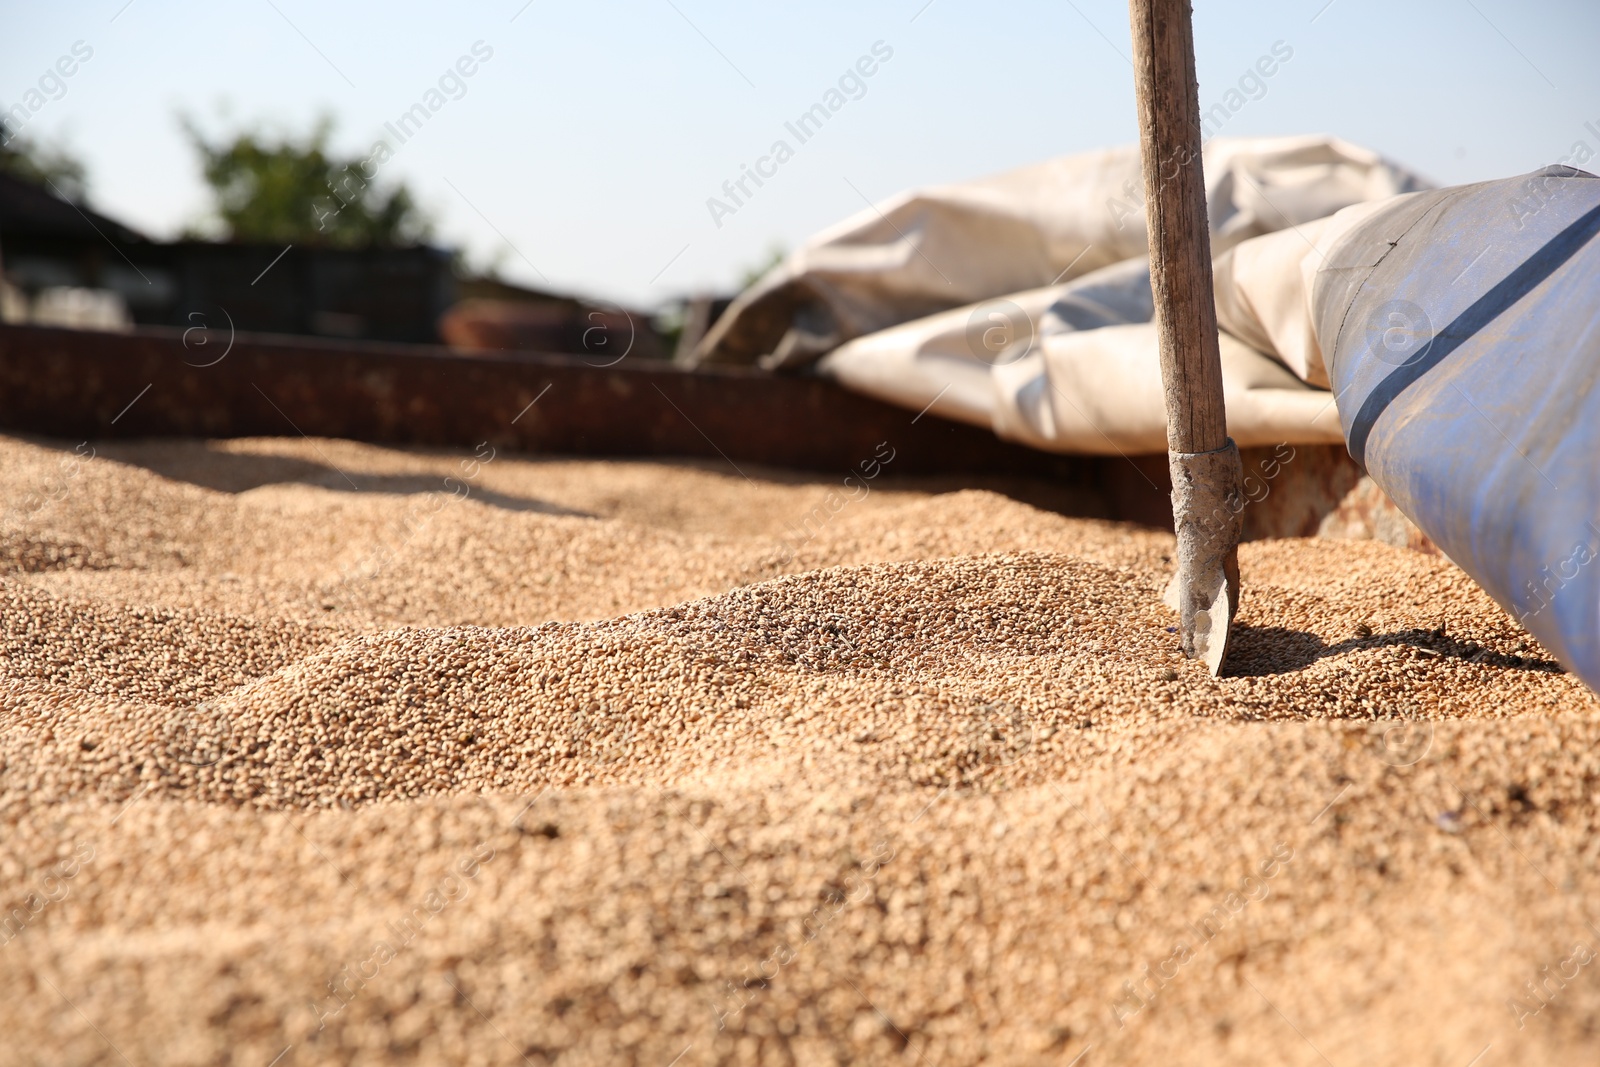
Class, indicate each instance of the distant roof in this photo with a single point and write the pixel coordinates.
(489, 288)
(35, 211)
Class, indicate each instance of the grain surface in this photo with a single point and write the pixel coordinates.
(344, 754)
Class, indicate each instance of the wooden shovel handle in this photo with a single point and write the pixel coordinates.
(1175, 209)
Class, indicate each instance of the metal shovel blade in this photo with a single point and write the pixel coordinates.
(1208, 509)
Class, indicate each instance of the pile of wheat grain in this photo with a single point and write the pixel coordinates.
(307, 752)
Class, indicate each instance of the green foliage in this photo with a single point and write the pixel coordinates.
(43, 164)
(296, 191)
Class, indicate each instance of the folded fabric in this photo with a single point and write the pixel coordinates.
(1071, 368)
(929, 250)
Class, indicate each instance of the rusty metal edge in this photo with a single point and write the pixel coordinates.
(162, 382)
(151, 383)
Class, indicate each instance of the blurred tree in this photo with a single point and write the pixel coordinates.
(43, 164)
(296, 191)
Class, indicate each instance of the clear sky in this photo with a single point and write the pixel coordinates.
(583, 150)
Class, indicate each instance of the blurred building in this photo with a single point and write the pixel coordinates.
(62, 260)
(66, 265)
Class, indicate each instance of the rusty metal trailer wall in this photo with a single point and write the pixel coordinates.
(157, 382)
(70, 383)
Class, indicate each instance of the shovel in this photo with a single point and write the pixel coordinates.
(1207, 496)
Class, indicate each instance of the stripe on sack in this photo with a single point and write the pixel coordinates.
(1513, 287)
